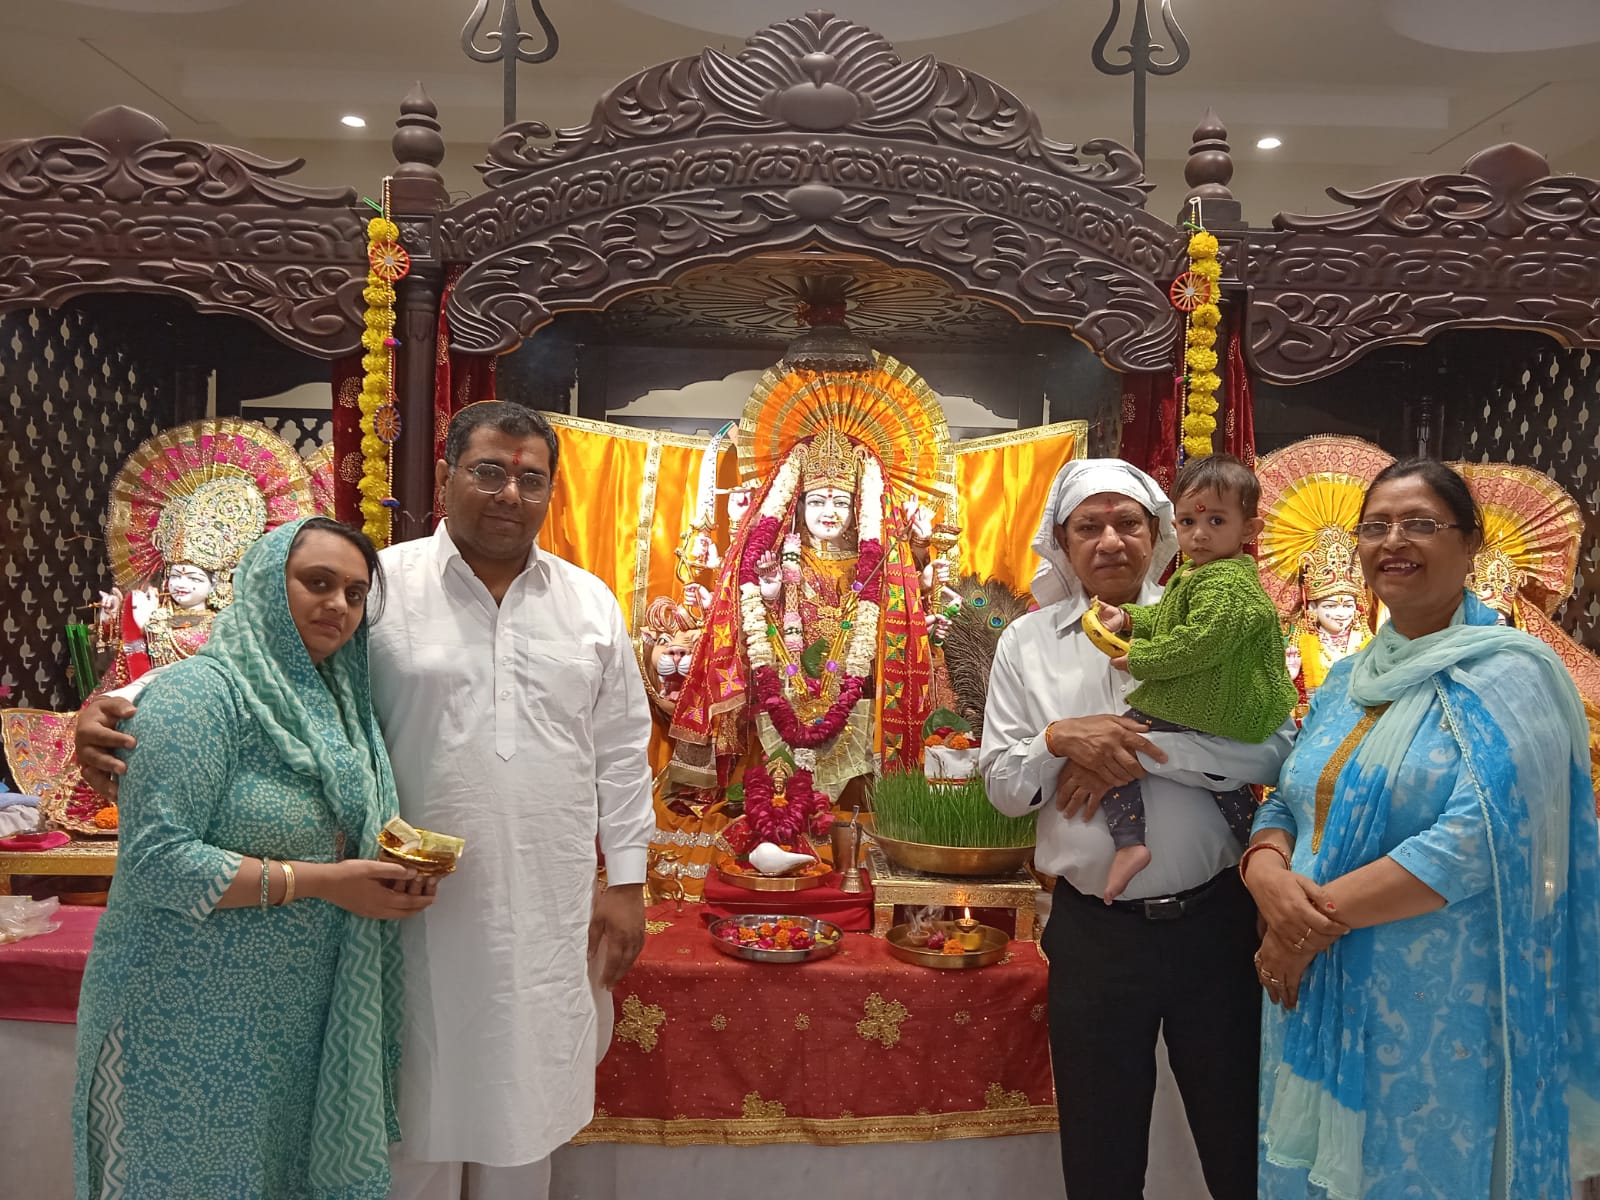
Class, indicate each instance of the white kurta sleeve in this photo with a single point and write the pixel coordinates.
(622, 761)
(1220, 764)
(1018, 770)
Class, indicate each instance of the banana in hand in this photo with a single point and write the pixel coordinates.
(1104, 640)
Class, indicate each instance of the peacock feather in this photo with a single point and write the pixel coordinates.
(987, 607)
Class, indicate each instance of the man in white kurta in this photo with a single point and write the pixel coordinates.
(1174, 954)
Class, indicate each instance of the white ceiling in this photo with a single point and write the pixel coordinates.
(1355, 101)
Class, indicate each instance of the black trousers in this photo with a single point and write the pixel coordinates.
(1118, 978)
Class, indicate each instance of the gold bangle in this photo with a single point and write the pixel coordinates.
(288, 883)
(266, 883)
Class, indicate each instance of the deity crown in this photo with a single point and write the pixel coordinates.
(830, 461)
(1495, 578)
(213, 527)
(1331, 568)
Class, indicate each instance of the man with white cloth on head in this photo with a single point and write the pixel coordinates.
(1174, 955)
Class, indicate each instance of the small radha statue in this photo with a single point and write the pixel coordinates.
(1333, 624)
(201, 537)
(1311, 497)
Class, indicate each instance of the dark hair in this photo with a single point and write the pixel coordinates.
(514, 420)
(1223, 474)
(1444, 482)
(361, 542)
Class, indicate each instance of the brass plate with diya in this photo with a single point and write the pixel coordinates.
(988, 947)
(775, 937)
(731, 872)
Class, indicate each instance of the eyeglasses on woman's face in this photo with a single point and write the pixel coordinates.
(1412, 528)
(533, 487)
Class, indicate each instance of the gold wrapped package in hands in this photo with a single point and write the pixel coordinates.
(426, 852)
(1099, 636)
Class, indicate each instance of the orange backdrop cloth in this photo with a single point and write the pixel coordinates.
(859, 1047)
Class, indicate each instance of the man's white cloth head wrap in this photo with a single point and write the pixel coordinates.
(1055, 580)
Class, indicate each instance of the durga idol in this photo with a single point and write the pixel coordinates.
(817, 662)
(1332, 625)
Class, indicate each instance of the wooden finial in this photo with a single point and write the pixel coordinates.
(1210, 166)
(418, 142)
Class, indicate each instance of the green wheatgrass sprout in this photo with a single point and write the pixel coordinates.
(908, 808)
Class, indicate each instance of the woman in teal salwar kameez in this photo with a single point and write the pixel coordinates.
(238, 1032)
(1429, 871)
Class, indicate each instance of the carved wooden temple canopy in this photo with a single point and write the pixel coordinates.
(815, 137)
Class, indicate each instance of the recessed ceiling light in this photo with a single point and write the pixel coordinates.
(1268, 143)
(353, 121)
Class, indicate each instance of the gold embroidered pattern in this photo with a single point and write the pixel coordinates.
(996, 1096)
(802, 1021)
(882, 1022)
(639, 1023)
(962, 1018)
(1037, 1012)
(1329, 779)
(719, 1022)
(757, 1109)
(657, 926)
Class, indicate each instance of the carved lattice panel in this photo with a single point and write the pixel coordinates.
(1542, 410)
(74, 403)
(305, 429)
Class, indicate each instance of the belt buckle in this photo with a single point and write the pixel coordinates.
(1163, 908)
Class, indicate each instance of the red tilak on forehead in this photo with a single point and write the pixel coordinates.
(1199, 508)
(516, 459)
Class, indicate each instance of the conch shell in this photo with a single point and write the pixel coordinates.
(771, 860)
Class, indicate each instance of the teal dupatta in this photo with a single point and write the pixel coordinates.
(1495, 686)
(321, 721)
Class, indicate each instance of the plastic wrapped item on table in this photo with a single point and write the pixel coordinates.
(23, 917)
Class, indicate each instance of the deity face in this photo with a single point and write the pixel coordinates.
(669, 657)
(1333, 614)
(188, 585)
(828, 514)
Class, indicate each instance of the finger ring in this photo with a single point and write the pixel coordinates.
(1302, 940)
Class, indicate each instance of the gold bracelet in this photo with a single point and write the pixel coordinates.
(266, 883)
(288, 883)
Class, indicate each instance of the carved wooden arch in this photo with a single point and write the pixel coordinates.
(815, 134)
(1502, 244)
(125, 207)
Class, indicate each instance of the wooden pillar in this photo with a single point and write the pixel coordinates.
(416, 195)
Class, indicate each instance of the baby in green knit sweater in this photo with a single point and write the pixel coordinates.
(1209, 656)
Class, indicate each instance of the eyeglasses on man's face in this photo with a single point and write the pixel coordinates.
(491, 479)
(1411, 527)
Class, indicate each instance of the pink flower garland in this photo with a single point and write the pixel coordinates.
(783, 822)
(769, 698)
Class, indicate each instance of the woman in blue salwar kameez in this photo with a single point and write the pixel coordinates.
(1429, 873)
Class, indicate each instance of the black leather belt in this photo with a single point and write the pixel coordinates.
(1158, 908)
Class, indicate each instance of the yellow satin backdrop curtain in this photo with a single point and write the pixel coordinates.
(623, 499)
(1001, 482)
(625, 496)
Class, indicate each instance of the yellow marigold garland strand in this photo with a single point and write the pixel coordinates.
(1201, 380)
(376, 387)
